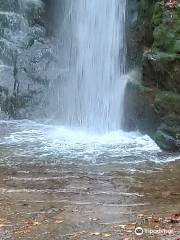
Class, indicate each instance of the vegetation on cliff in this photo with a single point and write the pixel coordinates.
(156, 101)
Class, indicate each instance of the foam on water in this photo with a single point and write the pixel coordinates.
(42, 141)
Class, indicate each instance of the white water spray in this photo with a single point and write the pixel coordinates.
(92, 46)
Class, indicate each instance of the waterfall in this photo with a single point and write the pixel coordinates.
(91, 46)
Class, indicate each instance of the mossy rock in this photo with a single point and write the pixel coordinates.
(162, 70)
(139, 108)
(168, 134)
(138, 87)
(154, 112)
(167, 102)
(160, 30)
(161, 66)
(166, 141)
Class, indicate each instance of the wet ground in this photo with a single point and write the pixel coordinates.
(58, 183)
(52, 202)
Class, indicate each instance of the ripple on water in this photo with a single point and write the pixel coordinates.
(29, 140)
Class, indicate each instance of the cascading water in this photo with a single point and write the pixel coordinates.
(92, 44)
(87, 84)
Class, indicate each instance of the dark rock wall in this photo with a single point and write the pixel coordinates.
(153, 104)
(133, 47)
(25, 55)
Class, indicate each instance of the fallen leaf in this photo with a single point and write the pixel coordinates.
(59, 221)
(30, 223)
(2, 219)
(131, 226)
(107, 235)
(156, 220)
(22, 232)
(177, 216)
(95, 234)
(173, 220)
(122, 226)
(93, 219)
(36, 223)
(166, 194)
(128, 231)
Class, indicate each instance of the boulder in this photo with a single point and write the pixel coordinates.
(168, 133)
(154, 112)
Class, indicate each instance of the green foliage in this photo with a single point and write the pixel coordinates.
(157, 15)
(166, 25)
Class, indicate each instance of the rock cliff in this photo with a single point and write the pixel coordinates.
(25, 56)
(152, 104)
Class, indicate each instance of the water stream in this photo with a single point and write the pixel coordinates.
(92, 45)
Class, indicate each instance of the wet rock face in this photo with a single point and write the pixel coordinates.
(162, 70)
(139, 111)
(161, 65)
(133, 51)
(154, 112)
(167, 104)
(155, 102)
(24, 56)
(168, 133)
